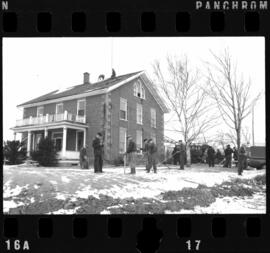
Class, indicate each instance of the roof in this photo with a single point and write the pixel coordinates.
(81, 88)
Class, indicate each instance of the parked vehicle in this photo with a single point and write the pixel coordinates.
(257, 157)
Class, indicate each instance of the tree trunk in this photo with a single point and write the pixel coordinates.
(188, 154)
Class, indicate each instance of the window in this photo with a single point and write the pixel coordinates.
(122, 139)
(153, 118)
(81, 107)
(123, 109)
(153, 137)
(59, 108)
(40, 111)
(139, 139)
(139, 90)
(139, 114)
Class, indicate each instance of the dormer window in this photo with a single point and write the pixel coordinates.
(139, 90)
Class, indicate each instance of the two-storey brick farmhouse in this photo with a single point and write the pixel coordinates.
(117, 107)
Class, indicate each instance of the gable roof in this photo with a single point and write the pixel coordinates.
(80, 89)
(84, 90)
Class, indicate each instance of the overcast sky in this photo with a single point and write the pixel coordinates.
(35, 66)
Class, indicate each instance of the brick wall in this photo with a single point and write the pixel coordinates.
(126, 92)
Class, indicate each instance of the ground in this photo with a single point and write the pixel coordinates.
(198, 189)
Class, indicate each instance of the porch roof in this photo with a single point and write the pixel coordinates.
(48, 126)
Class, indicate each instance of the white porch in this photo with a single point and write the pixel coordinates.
(68, 137)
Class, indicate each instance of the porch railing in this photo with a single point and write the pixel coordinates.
(50, 118)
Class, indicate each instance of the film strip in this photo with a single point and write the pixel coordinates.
(65, 208)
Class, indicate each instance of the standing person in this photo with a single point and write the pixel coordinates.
(145, 152)
(131, 154)
(218, 156)
(228, 157)
(242, 160)
(83, 158)
(152, 156)
(235, 156)
(176, 154)
(98, 153)
(182, 154)
(211, 156)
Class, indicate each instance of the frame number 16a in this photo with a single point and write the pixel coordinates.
(193, 245)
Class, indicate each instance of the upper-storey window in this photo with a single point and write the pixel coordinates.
(153, 118)
(59, 108)
(139, 114)
(81, 107)
(139, 90)
(123, 109)
(40, 111)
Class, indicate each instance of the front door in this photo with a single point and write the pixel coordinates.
(58, 144)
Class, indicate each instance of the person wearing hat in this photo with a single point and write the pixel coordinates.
(228, 157)
(152, 156)
(131, 154)
(98, 153)
(84, 158)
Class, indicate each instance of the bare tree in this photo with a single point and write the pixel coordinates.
(246, 134)
(180, 86)
(231, 93)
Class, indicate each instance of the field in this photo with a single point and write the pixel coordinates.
(198, 189)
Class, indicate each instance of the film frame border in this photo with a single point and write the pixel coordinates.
(198, 24)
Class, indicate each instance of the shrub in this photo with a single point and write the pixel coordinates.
(14, 152)
(46, 154)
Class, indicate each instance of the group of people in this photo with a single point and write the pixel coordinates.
(240, 158)
(179, 154)
(130, 156)
(211, 156)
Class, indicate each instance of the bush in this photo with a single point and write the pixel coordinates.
(118, 161)
(14, 152)
(46, 154)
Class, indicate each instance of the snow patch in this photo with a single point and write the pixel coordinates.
(53, 182)
(11, 192)
(7, 204)
(65, 179)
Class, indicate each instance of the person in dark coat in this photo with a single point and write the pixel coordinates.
(152, 156)
(98, 153)
(228, 157)
(211, 156)
(176, 155)
(218, 156)
(83, 158)
(182, 154)
(235, 155)
(242, 160)
(131, 154)
(145, 152)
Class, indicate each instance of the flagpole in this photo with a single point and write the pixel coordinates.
(253, 142)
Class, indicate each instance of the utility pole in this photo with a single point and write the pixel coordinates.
(253, 142)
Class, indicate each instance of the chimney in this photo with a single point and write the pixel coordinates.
(86, 78)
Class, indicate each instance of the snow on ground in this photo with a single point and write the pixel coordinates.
(229, 205)
(74, 183)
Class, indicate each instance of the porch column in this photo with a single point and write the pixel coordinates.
(45, 132)
(28, 143)
(84, 137)
(64, 142)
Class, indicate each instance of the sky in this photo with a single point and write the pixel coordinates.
(35, 66)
